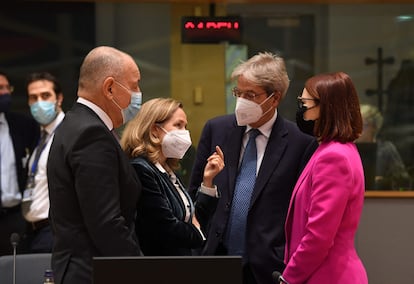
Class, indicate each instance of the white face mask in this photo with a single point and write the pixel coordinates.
(175, 143)
(248, 112)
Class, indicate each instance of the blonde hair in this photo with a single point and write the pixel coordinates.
(138, 138)
(372, 115)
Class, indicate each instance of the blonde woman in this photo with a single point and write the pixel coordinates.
(168, 222)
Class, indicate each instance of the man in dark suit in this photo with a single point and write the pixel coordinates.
(19, 134)
(282, 150)
(92, 186)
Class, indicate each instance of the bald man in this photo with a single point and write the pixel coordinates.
(93, 189)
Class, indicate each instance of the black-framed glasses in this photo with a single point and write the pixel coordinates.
(249, 95)
(301, 101)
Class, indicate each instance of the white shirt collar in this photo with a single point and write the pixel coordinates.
(160, 167)
(102, 115)
(50, 128)
(266, 128)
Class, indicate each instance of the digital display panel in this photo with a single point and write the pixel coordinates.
(211, 29)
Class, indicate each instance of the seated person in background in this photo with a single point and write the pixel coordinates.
(168, 222)
(391, 173)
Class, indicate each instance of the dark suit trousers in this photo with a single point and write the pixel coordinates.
(40, 240)
(248, 277)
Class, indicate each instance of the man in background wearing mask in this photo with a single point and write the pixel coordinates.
(93, 188)
(18, 137)
(45, 99)
(250, 215)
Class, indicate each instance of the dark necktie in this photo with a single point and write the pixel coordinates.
(241, 199)
(41, 145)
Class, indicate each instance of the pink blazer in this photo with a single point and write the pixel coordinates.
(323, 218)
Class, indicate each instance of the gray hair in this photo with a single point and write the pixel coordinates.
(266, 70)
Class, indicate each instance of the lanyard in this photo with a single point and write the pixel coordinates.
(40, 148)
(39, 151)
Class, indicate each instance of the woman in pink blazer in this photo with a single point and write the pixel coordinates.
(327, 201)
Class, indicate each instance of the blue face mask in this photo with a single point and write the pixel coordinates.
(131, 111)
(44, 112)
(5, 102)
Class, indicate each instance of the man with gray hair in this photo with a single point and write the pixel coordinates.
(93, 188)
(264, 155)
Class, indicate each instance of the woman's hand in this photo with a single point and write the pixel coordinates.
(215, 163)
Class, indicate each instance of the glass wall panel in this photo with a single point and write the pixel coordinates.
(373, 43)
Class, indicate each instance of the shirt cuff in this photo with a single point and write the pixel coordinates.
(201, 233)
(210, 191)
(281, 279)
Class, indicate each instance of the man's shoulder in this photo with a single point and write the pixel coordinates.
(222, 120)
(81, 113)
(291, 131)
(292, 128)
(17, 118)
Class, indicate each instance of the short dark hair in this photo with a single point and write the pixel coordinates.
(37, 76)
(339, 113)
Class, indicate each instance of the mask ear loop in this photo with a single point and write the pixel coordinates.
(271, 95)
(264, 113)
(162, 128)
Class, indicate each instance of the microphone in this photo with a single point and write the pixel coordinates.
(14, 240)
(275, 276)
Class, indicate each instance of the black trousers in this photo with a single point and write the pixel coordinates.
(248, 277)
(39, 240)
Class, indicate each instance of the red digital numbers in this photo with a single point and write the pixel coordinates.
(211, 29)
(211, 25)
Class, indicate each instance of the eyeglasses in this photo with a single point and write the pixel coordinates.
(301, 101)
(249, 95)
(6, 88)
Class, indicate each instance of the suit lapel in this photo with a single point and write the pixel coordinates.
(275, 148)
(234, 142)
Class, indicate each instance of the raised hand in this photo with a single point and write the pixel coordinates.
(215, 163)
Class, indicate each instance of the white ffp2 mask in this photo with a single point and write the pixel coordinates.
(176, 143)
(248, 112)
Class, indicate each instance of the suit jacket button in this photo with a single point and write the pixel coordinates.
(218, 234)
(227, 205)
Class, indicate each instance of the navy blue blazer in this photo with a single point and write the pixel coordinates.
(24, 132)
(161, 225)
(286, 154)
